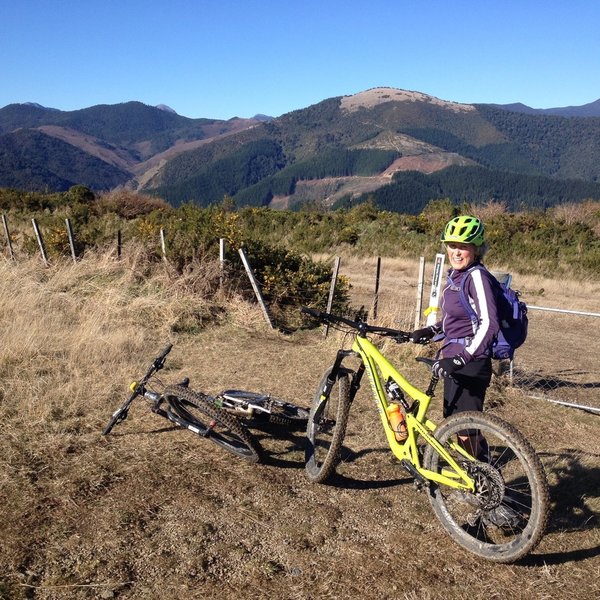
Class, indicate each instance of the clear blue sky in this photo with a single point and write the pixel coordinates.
(222, 58)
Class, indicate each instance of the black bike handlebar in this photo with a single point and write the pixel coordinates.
(361, 326)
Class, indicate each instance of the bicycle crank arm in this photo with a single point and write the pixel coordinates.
(420, 481)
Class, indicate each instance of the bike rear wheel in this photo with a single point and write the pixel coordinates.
(505, 518)
(215, 424)
(265, 408)
(326, 428)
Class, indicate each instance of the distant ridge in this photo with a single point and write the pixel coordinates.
(592, 109)
(401, 148)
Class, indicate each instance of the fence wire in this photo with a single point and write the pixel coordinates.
(560, 360)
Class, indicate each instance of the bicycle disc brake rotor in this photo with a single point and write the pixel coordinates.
(489, 486)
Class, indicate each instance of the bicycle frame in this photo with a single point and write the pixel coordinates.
(379, 370)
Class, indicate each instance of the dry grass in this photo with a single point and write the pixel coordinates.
(153, 512)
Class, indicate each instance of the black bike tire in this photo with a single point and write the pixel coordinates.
(196, 407)
(113, 421)
(319, 471)
(522, 543)
(287, 414)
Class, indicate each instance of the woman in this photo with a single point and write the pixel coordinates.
(466, 364)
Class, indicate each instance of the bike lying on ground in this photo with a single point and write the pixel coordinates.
(194, 411)
(216, 418)
(496, 508)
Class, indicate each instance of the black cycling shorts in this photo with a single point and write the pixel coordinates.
(466, 389)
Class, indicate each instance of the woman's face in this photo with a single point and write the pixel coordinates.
(461, 256)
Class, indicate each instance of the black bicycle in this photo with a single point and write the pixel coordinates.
(195, 411)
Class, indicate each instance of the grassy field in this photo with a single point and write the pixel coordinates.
(151, 512)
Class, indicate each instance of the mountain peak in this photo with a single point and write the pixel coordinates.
(165, 108)
(374, 96)
(37, 105)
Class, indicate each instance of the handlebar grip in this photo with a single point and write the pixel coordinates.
(317, 314)
(165, 351)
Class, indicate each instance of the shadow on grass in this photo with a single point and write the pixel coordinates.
(577, 482)
(539, 381)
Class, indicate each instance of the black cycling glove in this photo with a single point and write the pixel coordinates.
(445, 367)
(419, 336)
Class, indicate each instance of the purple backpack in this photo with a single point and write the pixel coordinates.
(512, 314)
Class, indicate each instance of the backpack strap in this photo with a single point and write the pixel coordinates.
(467, 306)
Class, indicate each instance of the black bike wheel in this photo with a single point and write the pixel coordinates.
(326, 429)
(120, 415)
(287, 414)
(214, 423)
(265, 408)
(505, 518)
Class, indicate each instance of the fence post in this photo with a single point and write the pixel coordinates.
(376, 295)
(7, 235)
(162, 244)
(221, 261)
(334, 276)
(40, 241)
(420, 292)
(71, 240)
(436, 284)
(256, 288)
(119, 244)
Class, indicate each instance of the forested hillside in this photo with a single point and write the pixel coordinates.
(402, 149)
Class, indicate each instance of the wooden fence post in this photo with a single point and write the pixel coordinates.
(420, 292)
(119, 244)
(7, 235)
(221, 261)
(334, 276)
(376, 295)
(256, 288)
(38, 235)
(162, 244)
(71, 240)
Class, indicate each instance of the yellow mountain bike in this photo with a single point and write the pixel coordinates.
(495, 507)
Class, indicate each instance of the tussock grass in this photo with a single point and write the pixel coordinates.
(150, 511)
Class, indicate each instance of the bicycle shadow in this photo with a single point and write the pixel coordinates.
(348, 456)
(570, 513)
(576, 482)
(282, 447)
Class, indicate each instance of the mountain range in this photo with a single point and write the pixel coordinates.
(401, 148)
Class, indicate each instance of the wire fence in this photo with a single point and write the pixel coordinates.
(559, 362)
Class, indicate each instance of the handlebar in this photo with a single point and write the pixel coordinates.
(361, 326)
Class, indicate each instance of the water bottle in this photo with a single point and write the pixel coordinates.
(397, 422)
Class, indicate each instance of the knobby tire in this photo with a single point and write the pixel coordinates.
(326, 429)
(224, 429)
(505, 518)
(287, 414)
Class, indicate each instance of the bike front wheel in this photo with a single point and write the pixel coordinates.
(505, 517)
(213, 423)
(326, 428)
